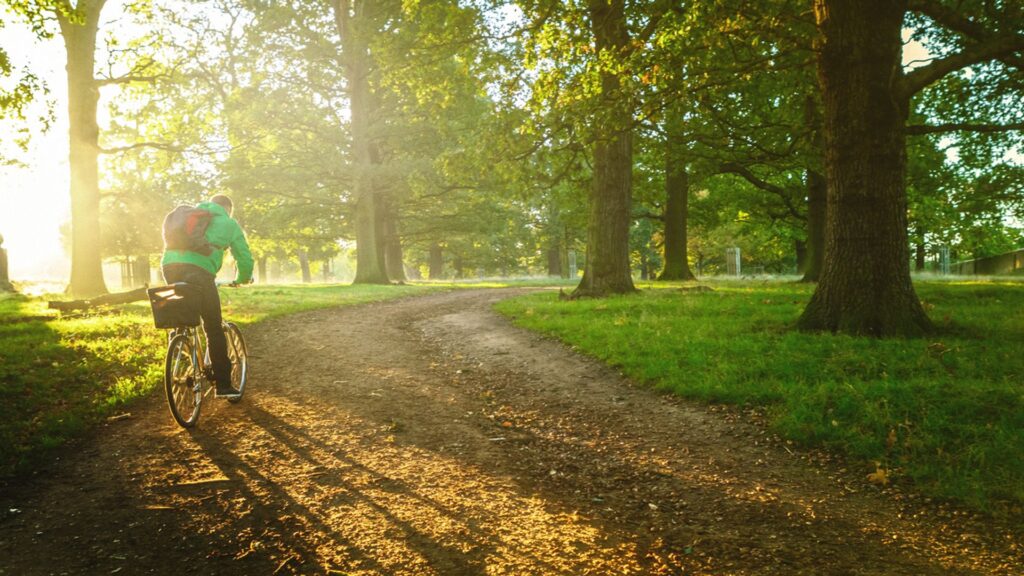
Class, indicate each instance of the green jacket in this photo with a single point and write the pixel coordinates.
(222, 233)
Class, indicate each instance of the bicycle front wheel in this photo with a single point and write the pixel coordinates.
(239, 359)
(182, 382)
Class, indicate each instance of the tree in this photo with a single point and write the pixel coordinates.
(865, 286)
(737, 92)
(607, 269)
(78, 29)
(355, 21)
(676, 213)
(79, 25)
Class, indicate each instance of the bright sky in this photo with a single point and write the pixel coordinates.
(34, 200)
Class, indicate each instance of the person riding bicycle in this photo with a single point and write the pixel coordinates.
(200, 269)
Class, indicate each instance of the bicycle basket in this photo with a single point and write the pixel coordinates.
(174, 306)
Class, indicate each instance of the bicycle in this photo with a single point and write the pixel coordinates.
(188, 377)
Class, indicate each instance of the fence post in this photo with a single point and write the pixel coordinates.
(732, 262)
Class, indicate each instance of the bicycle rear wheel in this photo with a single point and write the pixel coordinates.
(239, 359)
(182, 382)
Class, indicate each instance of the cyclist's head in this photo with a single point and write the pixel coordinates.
(224, 202)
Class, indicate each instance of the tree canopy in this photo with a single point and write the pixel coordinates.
(448, 138)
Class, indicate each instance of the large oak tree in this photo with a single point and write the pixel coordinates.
(865, 286)
(79, 27)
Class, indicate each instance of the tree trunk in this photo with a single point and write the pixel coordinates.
(307, 276)
(460, 268)
(555, 244)
(800, 246)
(104, 300)
(920, 253)
(566, 241)
(83, 158)
(436, 262)
(276, 270)
(677, 189)
(5, 279)
(141, 271)
(393, 257)
(370, 255)
(607, 268)
(817, 208)
(865, 285)
(555, 258)
(352, 23)
(261, 266)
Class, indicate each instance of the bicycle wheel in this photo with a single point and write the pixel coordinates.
(238, 357)
(181, 382)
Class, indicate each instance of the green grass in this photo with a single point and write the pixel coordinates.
(946, 412)
(59, 376)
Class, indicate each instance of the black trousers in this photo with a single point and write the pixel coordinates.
(209, 311)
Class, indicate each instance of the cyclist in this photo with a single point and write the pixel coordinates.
(200, 270)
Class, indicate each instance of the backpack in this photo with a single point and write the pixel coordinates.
(185, 229)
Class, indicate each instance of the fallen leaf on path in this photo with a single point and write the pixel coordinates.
(879, 476)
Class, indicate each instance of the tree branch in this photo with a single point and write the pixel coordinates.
(154, 145)
(957, 22)
(919, 78)
(918, 129)
(128, 79)
(782, 193)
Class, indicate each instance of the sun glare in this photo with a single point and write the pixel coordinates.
(34, 196)
(35, 207)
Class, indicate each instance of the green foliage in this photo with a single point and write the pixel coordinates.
(952, 403)
(19, 85)
(485, 115)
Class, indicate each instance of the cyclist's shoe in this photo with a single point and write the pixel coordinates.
(227, 391)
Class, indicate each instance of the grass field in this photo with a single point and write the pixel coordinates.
(945, 412)
(58, 375)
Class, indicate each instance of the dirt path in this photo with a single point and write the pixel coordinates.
(428, 436)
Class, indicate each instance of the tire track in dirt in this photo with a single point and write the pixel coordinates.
(428, 436)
